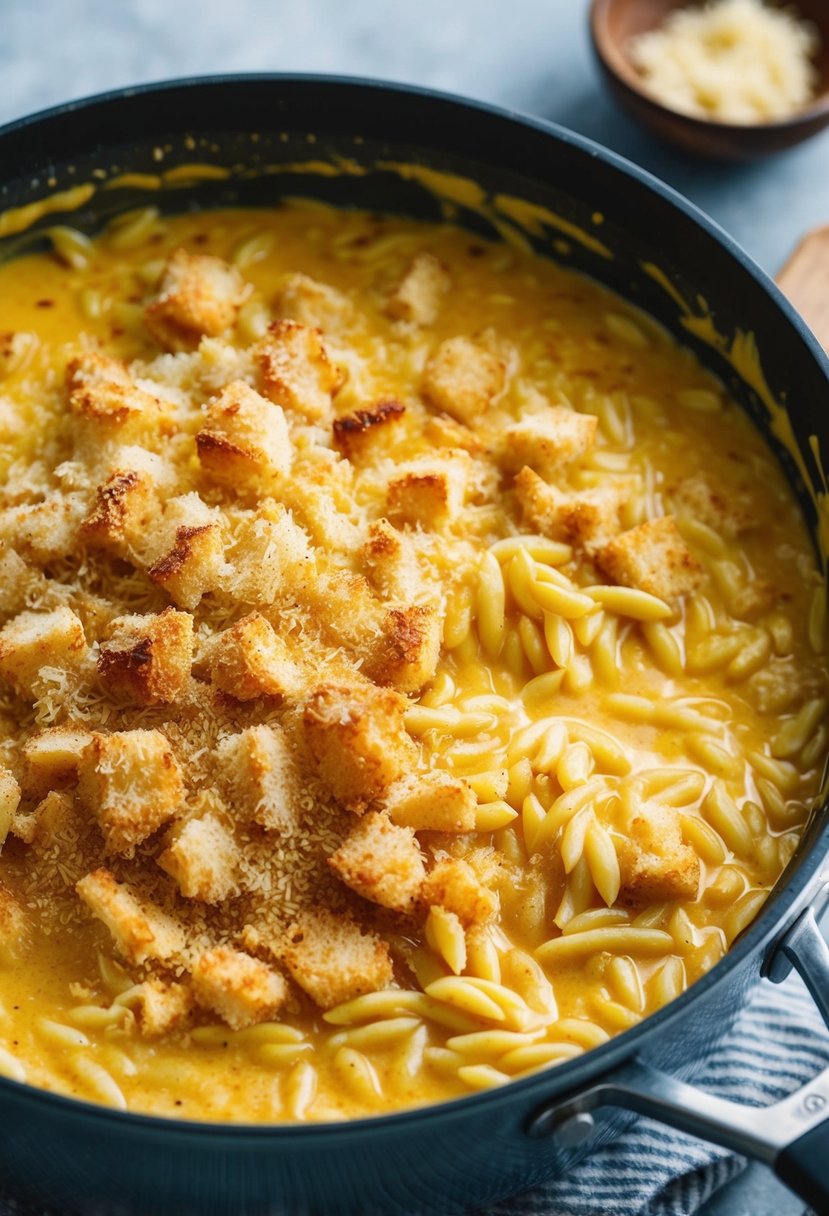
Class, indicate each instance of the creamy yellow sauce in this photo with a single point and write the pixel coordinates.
(661, 695)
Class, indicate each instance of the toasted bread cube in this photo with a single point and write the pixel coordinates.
(381, 862)
(192, 567)
(159, 1007)
(695, 496)
(203, 858)
(131, 783)
(346, 610)
(263, 778)
(146, 659)
(655, 862)
(240, 989)
(103, 392)
(15, 574)
(390, 562)
(429, 491)
(42, 829)
(125, 505)
(418, 295)
(453, 885)
(441, 431)
(244, 438)
(295, 371)
(325, 509)
(45, 530)
(52, 758)
(267, 555)
(406, 656)
(14, 926)
(366, 433)
(9, 802)
(549, 441)
(654, 558)
(139, 929)
(250, 660)
(199, 295)
(358, 739)
(312, 303)
(432, 802)
(33, 640)
(332, 959)
(462, 378)
(586, 519)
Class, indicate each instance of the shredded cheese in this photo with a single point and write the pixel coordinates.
(737, 61)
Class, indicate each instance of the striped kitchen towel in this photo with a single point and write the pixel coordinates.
(778, 1042)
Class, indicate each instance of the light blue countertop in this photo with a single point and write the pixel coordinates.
(530, 55)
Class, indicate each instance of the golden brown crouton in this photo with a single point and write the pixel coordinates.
(250, 660)
(390, 562)
(140, 930)
(9, 801)
(312, 303)
(199, 295)
(15, 577)
(453, 885)
(49, 820)
(262, 777)
(203, 858)
(160, 1007)
(655, 862)
(324, 507)
(546, 442)
(696, 497)
(102, 391)
(406, 655)
(131, 783)
(429, 491)
(653, 557)
(358, 739)
(268, 555)
(585, 518)
(332, 959)
(345, 609)
(418, 295)
(295, 371)
(361, 435)
(240, 989)
(43, 531)
(444, 432)
(14, 925)
(244, 438)
(381, 862)
(432, 802)
(33, 640)
(124, 507)
(192, 567)
(146, 659)
(52, 758)
(462, 377)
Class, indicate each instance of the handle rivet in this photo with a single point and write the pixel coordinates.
(575, 1130)
(814, 1103)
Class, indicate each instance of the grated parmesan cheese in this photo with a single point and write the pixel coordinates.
(736, 61)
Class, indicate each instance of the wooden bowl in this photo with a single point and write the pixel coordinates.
(614, 22)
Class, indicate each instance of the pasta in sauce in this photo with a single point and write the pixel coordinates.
(413, 665)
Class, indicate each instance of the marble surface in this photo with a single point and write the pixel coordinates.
(531, 55)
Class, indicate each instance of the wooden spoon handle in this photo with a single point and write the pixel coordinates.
(805, 280)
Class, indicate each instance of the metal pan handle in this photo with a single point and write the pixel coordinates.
(791, 1136)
